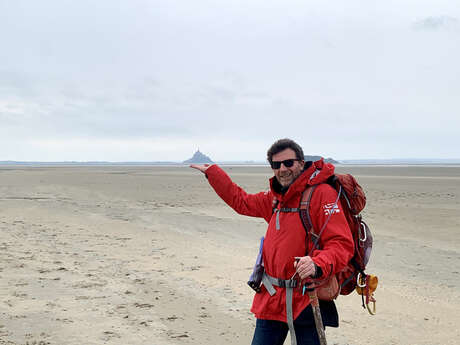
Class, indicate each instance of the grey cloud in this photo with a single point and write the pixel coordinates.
(14, 83)
(436, 23)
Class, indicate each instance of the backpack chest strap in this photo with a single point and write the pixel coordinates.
(283, 209)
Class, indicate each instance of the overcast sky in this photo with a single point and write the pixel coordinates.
(141, 80)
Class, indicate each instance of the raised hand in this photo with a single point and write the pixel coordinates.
(200, 167)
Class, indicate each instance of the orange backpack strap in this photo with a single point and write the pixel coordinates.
(305, 212)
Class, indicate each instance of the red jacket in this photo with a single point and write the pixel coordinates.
(281, 246)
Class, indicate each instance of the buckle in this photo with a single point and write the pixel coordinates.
(291, 283)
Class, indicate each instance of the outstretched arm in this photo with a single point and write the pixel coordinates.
(254, 205)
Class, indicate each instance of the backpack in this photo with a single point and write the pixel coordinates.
(353, 201)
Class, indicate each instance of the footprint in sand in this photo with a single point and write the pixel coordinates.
(175, 335)
(110, 335)
(143, 305)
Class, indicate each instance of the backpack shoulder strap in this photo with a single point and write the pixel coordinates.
(304, 210)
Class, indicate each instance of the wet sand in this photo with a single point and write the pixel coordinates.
(150, 255)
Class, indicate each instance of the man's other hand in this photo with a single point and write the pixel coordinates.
(200, 167)
(305, 267)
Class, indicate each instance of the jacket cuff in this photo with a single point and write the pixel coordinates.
(323, 270)
(207, 170)
(318, 272)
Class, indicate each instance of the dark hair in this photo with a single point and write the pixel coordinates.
(283, 144)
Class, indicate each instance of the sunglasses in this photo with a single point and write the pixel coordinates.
(287, 163)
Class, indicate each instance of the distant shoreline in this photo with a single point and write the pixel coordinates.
(448, 163)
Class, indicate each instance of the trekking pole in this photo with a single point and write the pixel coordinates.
(317, 315)
(316, 311)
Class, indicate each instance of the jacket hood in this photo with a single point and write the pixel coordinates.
(316, 173)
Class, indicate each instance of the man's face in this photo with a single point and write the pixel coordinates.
(287, 175)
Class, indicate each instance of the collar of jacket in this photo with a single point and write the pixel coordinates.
(316, 173)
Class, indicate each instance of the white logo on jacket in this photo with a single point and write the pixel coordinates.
(331, 208)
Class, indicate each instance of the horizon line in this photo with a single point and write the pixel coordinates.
(223, 161)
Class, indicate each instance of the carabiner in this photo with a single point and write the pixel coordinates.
(362, 234)
(358, 281)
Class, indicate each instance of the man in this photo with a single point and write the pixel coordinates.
(279, 303)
